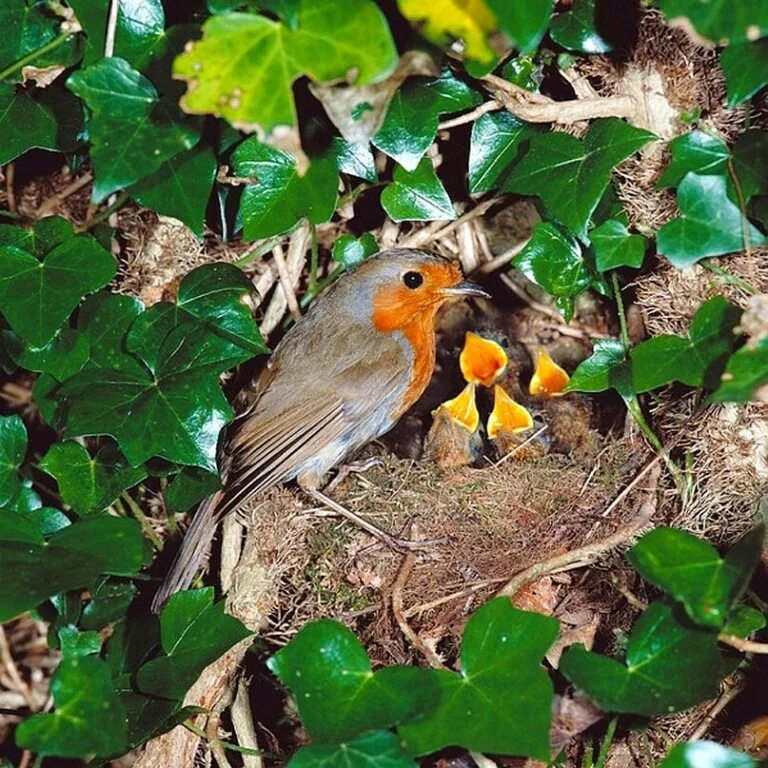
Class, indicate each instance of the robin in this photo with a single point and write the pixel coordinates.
(341, 377)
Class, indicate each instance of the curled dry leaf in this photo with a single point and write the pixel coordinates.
(549, 379)
(42, 76)
(482, 361)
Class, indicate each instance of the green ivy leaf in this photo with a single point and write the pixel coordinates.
(694, 152)
(280, 197)
(354, 158)
(494, 145)
(38, 118)
(745, 67)
(523, 21)
(417, 196)
(750, 165)
(743, 621)
(132, 131)
(349, 251)
(89, 718)
(180, 187)
(576, 29)
(706, 754)
(194, 632)
(13, 449)
(501, 701)
(721, 21)
(412, 117)
(190, 486)
(109, 601)
(44, 236)
(331, 38)
(671, 665)
(569, 175)
(745, 373)
(553, 260)
(33, 569)
(380, 749)
(606, 368)
(693, 572)
(36, 297)
(73, 642)
(89, 485)
(616, 247)
(696, 361)
(337, 694)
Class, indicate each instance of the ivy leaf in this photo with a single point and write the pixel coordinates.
(523, 21)
(671, 665)
(380, 749)
(501, 701)
(721, 21)
(331, 38)
(569, 175)
(132, 131)
(337, 694)
(417, 196)
(89, 485)
(745, 373)
(281, 197)
(38, 118)
(706, 754)
(194, 632)
(743, 621)
(354, 158)
(36, 297)
(696, 361)
(745, 67)
(710, 224)
(494, 145)
(606, 368)
(190, 486)
(750, 164)
(350, 251)
(13, 449)
(616, 247)
(576, 29)
(693, 572)
(553, 260)
(33, 569)
(109, 601)
(73, 642)
(411, 121)
(180, 187)
(89, 718)
(694, 152)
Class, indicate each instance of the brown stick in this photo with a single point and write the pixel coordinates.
(470, 117)
(734, 686)
(745, 646)
(54, 201)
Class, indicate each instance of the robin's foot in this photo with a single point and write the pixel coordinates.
(393, 542)
(354, 467)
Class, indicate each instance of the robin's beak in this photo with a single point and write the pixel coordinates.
(466, 288)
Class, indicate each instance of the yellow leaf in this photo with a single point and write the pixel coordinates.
(549, 379)
(467, 20)
(507, 415)
(482, 361)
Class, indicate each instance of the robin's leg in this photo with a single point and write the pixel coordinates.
(354, 467)
(391, 541)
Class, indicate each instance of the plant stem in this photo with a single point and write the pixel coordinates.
(30, 57)
(624, 331)
(605, 747)
(146, 526)
(321, 285)
(255, 253)
(728, 277)
(313, 256)
(104, 214)
(232, 747)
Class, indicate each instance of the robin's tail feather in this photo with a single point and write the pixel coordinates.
(193, 550)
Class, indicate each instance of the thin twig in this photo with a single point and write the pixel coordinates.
(214, 742)
(146, 525)
(6, 658)
(502, 260)
(245, 730)
(590, 552)
(109, 39)
(470, 117)
(734, 686)
(55, 200)
(745, 646)
(10, 172)
(285, 282)
(397, 607)
(520, 447)
(423, 607)
(430, 233)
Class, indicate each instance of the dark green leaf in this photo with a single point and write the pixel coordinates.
(412, 117)
(721, 21)
(743, 621)
(354, 158)
(616, 247)
(569, 175)
(692, 571)
(696, 361)
(180, 187)
(36, 297)
(501, 701)
(278, 197)
(337, 693)
(349, 251)
(553, 260)
(417, 196)
(109, 601)
(195, 632)
(132, 131)
(73, 642)
(62, 357)
(380, 749)
(494, 144)
(750, 165)
(524, 21)
(706, 754)
(42, 118)
(332, 38)
(694, 152)
(89, 718)
(13, 448)
(190, 486)
(671, 665)
(88, 484)
(606, 368)
(745, 373)
(576, 29)
(745, 67)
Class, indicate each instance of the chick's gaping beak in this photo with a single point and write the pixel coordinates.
(466, 288)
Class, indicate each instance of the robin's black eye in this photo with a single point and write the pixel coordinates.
(413, 279)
